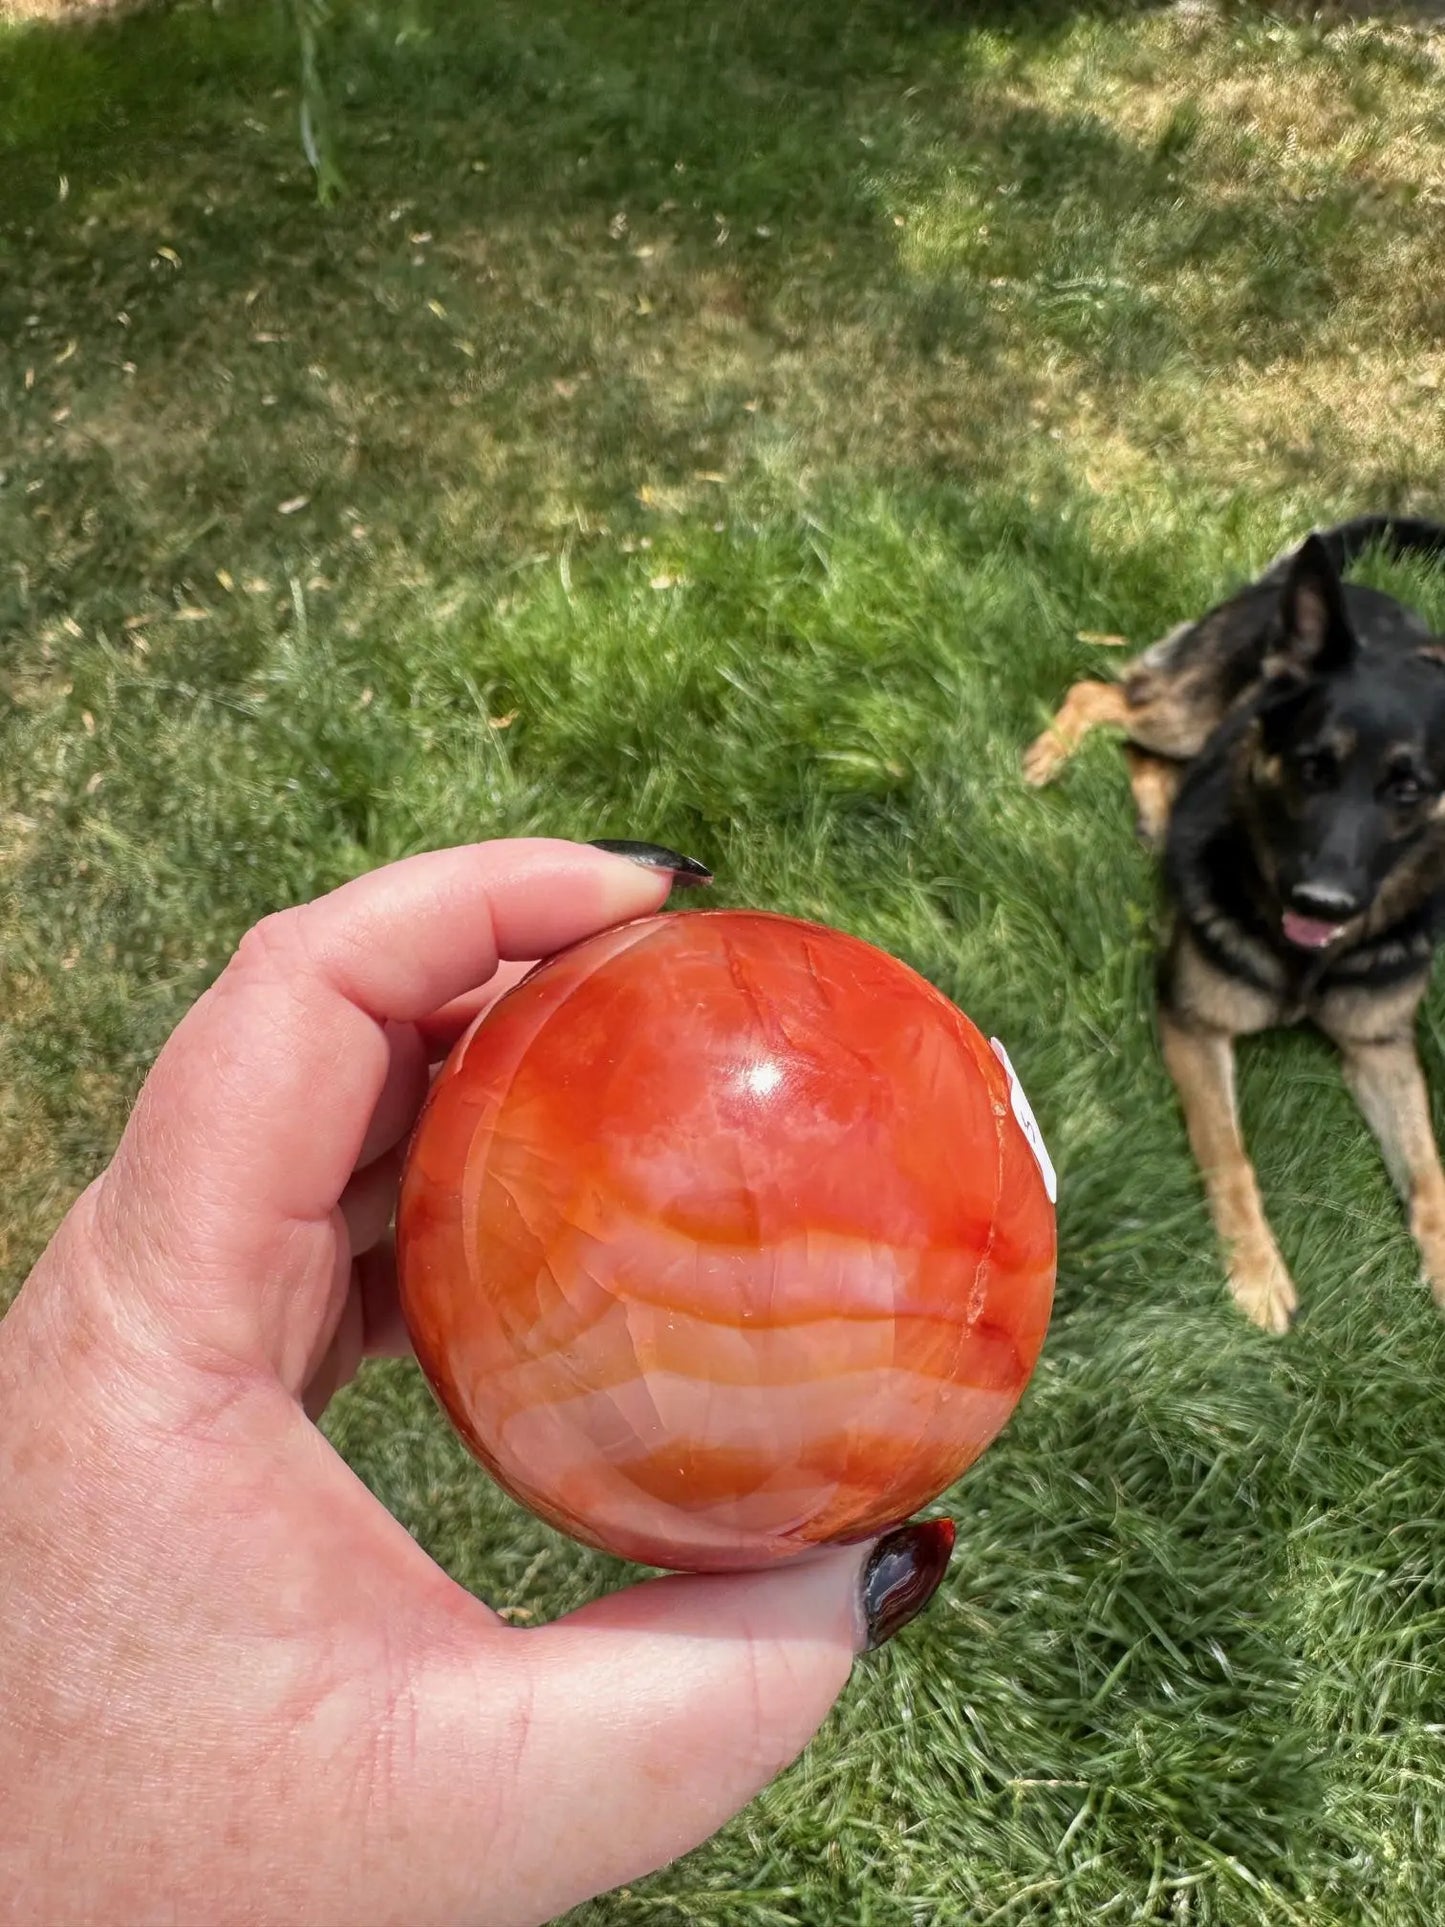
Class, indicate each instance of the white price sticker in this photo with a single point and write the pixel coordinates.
(1028, 1123)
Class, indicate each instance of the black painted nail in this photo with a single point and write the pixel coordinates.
(903, 1573)
(654, 856)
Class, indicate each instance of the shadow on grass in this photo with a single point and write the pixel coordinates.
(585, 257)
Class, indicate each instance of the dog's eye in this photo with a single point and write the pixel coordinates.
(1315, 771)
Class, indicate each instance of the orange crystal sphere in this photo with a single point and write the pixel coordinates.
(722, 1236)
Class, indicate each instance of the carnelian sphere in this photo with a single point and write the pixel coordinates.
(721, 1236)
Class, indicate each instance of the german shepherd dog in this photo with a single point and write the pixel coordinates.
(1287, 757)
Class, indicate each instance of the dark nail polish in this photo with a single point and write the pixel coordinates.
(653, 856)
(903, 1573)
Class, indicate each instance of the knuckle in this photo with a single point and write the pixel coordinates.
(513, 1735)
(496, 1729)
(276, 946)
(767, 1740)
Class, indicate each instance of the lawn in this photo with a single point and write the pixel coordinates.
(728, 426)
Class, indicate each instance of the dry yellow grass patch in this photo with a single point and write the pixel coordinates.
(1274, 428)
(22, 13)
(1297, 117)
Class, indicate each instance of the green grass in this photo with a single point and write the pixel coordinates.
(720, 425)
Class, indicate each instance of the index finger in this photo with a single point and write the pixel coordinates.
(440, 1029)
(257, 1107)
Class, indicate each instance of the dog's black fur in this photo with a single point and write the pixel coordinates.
(1287, 753)
(1317, 797)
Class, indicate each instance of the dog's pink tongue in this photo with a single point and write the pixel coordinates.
(1309, 932)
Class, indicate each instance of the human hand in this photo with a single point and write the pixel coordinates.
(232, 1688)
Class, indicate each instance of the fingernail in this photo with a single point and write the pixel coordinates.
(654, 856)
(904, 1571)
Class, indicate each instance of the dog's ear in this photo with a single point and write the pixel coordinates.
(1315, 634)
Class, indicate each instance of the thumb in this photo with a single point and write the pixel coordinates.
(639, 1725)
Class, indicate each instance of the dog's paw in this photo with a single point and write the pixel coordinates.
(1263, 1289)
(1150, 832)
(1432, 1269)
(1043, 759)
(1427, 1227)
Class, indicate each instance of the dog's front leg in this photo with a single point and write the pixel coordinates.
(1088, 706)
(1201, 1062)
(1389, 1087)
(1155, 782)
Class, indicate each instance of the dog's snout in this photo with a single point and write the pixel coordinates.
(1325, 900)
